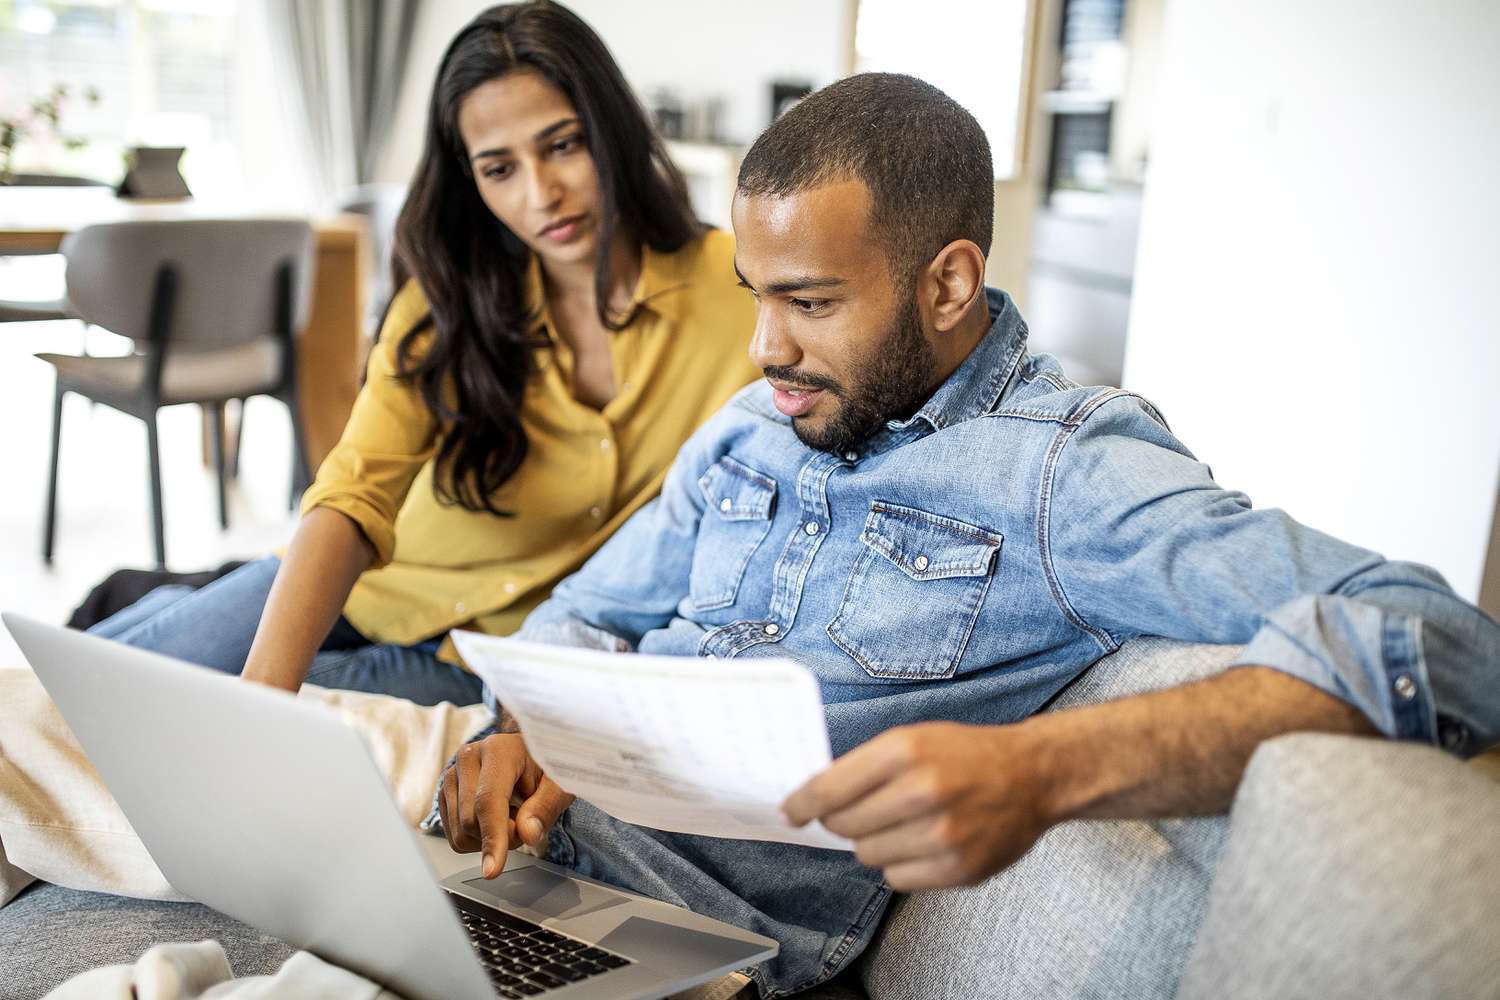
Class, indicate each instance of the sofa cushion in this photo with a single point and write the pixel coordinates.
(49, 934)
(1095, 909)
(1356, 869)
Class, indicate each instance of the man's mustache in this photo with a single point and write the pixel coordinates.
(802, 380)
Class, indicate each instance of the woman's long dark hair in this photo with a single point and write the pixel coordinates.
(473, 369)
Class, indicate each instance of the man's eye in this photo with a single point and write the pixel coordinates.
(806, 305)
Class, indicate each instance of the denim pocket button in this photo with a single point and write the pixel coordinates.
(740, 503)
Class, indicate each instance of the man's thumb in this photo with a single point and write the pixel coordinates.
(540, 811)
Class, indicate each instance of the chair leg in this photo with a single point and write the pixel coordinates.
(83, 351)
(49, 531)
(216, 428)
(153, 459)
(239, 439)
(301, 474)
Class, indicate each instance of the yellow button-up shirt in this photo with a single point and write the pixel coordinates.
(440, 566)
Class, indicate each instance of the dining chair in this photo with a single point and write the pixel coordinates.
(49, 307)
(212, 306)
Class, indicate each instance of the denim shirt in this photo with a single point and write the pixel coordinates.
(966, 564)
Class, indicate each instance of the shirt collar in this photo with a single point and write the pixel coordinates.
(661, 275)
(976, 386)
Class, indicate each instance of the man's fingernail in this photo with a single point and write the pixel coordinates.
(533, 830)
(491, 866)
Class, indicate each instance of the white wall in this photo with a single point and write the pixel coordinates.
(1319, 253)
(728, 46)
(698, 48)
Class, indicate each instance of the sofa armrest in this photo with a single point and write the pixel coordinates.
(1096, 909)
(1357, 869)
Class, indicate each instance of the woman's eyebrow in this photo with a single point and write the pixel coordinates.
(552, 129)
(556, 126)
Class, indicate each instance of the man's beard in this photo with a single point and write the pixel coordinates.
(890, 383)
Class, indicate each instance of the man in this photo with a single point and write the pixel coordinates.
(942, 527)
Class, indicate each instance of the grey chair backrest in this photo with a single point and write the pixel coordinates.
(226, 275)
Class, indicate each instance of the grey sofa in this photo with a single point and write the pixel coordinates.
(1346, 868)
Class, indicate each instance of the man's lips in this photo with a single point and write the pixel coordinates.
(792, 399)
(564, 228)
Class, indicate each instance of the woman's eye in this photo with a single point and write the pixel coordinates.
(499, 172)
(569, 144)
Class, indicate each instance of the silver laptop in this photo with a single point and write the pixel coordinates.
(271, 811)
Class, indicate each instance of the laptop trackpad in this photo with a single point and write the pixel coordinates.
(670, 947)
(547, 893)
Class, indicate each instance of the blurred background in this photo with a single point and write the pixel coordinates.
(1276, 220)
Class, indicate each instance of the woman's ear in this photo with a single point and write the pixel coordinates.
(954, 280)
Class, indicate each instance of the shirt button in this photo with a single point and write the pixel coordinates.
(604, 444)
(459, 608)
(510, 587)
(920, 562)
(851, 456)
(1406, 688)
(726, 505)
(811, 527)
(772, 628)
(595, 513)
(1452, 735)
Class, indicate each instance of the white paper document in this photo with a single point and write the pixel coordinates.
(690, 745)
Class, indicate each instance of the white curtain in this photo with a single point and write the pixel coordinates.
(344, 60)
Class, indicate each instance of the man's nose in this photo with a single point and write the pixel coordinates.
(771, 345)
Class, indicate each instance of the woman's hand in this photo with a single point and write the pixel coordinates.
(495, 798)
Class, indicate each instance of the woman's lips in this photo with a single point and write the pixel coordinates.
(564, 230)
(794, 402)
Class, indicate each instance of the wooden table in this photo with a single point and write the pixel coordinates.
(331, 347)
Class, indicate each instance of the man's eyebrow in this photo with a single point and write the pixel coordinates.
(788, 285)
(555, 127)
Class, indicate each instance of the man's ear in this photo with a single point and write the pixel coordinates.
(952, 283)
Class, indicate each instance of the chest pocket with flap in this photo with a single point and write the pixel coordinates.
(914, 592)
(740, 503)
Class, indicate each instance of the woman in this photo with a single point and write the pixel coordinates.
(563, 323)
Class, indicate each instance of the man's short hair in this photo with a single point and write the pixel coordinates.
(924, 159)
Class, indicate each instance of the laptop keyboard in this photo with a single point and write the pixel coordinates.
(526, 959)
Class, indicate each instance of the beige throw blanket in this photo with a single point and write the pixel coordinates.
(201, 972)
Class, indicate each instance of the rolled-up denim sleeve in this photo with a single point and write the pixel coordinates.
(1142, 541)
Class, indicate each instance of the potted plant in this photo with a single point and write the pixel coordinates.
(42, 118)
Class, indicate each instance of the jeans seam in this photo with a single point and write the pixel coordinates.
(833, 965)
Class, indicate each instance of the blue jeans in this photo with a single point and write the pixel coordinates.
(213, 627)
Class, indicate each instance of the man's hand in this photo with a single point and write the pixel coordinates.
(495, 798)
(935, 804)
(940, 804)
